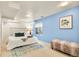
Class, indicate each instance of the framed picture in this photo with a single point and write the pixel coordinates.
(39, 28)
(66, 22)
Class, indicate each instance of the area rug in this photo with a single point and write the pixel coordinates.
(22, 50)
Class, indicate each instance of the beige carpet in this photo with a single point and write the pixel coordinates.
(46, 52)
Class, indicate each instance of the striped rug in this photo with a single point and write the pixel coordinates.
(22, 50)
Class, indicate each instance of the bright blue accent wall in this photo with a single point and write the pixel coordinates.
(51, 28)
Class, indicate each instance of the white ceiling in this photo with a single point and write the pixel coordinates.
(31, 9)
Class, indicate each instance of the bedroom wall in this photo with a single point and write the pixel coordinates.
(51, 28)
(19, 27)
(5, 32)
(0, 27)
(0, 32)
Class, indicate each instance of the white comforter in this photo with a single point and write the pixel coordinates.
(17, 41)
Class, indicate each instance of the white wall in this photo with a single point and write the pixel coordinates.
(4, 32)
(0, 28)
(0, 32)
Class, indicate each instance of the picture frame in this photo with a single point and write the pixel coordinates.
(66, 22)
(39, 28)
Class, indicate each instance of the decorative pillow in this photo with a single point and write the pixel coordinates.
(24, 39)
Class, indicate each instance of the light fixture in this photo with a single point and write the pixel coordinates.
(65, 3)
(29, 14)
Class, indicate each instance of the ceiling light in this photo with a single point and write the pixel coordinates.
(64, 4)
(29, 14)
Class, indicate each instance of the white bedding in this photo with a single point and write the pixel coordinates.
(17, 41)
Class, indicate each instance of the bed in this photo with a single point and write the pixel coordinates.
(20, 41)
